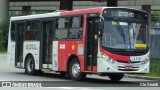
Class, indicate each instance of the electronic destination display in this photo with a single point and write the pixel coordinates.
(124, 13)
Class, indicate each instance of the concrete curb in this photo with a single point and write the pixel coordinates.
(142, 77)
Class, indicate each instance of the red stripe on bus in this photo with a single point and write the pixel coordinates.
(115, 56)
(81, 11)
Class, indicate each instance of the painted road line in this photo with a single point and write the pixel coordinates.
(71, 88)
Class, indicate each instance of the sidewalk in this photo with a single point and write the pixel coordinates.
(142, 77)
(3, 55)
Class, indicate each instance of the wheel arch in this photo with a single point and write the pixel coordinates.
(29, 54)
(71, 57)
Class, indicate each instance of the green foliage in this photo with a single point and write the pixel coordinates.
(4, 28)
(152, 24)
(155, 17)
(154, 68)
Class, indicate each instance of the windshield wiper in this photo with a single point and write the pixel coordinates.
(121, 32)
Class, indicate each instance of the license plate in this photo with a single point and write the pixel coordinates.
(128, 67)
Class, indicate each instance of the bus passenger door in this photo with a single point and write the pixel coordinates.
(91, 44)
(20, 29)
(46, 44)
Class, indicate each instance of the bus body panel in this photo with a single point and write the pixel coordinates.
(122, 64)
(34, 53)
(31, 47)
(55, 56)
(115, 56)
(68, 48)
(10, 50)
(104, 67)
(73, 47)
(11, 54)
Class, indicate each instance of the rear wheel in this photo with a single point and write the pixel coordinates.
(74, 70)
(30, 65)
(115, 77)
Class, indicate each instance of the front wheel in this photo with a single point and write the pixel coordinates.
(74, 70)
(115, 77)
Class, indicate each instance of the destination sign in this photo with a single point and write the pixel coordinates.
(124, 13)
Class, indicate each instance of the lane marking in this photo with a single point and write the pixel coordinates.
(73, 88)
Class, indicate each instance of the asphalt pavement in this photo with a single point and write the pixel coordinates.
(55, 81)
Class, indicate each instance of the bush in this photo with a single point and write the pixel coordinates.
(4, 28)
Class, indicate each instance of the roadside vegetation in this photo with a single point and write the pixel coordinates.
(155, 18)
(4, 27)
(154, 68)
(3, 51)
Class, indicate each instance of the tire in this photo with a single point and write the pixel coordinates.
(30, 66)
(74, 70)
(115, 77)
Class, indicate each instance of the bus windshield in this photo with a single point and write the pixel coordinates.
(124, 35)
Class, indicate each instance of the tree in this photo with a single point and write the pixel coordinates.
(155, 17)
(4, 28)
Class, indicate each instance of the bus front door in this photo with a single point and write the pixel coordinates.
(47, 43)
(20, 27)
(92, 44)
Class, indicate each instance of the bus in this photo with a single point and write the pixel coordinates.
(106, 41)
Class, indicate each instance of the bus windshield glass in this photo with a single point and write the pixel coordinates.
(125, 29)
(124, 35)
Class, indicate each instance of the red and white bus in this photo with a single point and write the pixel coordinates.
(105, 40)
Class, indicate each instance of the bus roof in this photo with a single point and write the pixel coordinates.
(35, 16)
(64, 13)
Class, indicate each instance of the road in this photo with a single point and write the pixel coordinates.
(50, 80)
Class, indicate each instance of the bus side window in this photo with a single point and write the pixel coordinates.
(29, 35)
(13, 31)
(61, 28)
(75, 27)
(32, 30)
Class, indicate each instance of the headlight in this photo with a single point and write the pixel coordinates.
(145, 61)
(104, 55)
(110, 60)
(107, 58)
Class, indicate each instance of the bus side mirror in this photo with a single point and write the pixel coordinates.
(100, 26)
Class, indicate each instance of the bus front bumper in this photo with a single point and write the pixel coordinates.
(119, 67)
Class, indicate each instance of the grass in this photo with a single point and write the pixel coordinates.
(3, 51)
(154, 68)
